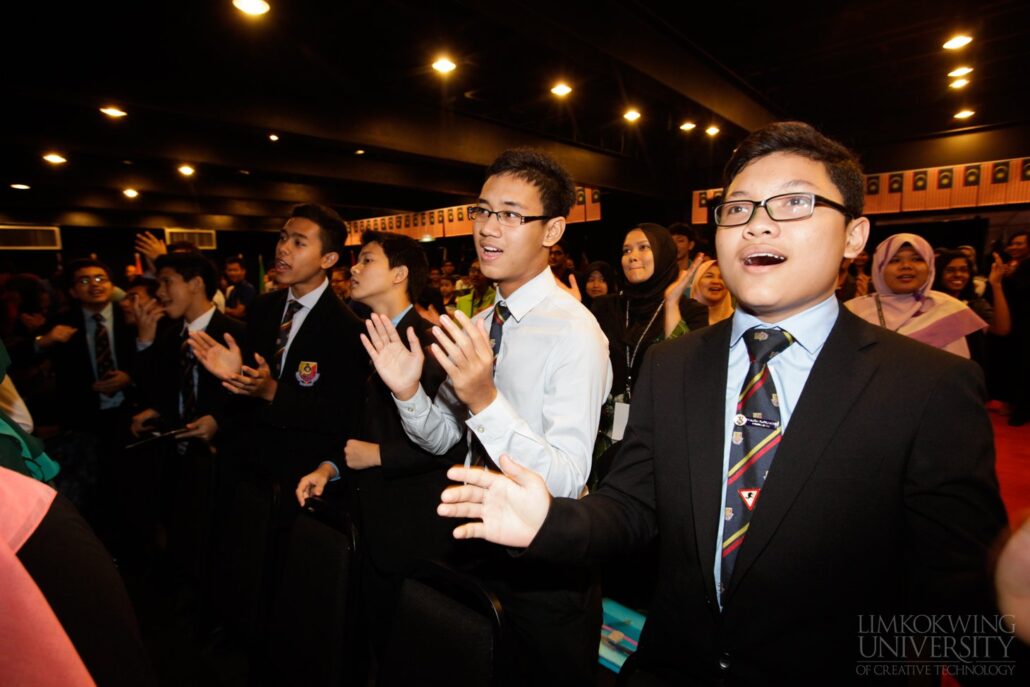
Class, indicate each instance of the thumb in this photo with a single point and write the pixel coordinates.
(259, 358)
(191, 425)
(572, 281)
(316, 489)
(231, 342)
(519, 474)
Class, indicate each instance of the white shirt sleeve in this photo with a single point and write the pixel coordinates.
(432, 425)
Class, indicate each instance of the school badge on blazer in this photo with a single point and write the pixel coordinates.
(307, 373)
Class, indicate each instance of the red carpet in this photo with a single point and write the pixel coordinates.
(1012, 446)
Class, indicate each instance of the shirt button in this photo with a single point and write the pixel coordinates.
(480, 429)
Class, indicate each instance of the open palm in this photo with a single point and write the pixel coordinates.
(399, 365)
(221, 361)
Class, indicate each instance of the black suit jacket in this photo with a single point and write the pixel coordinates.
(882, 501)
(307, 421)
(396, 503)
(73, 367)
(157, 371)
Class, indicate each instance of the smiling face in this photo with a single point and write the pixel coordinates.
(779, 269)
(511, 256)
(906, 271)
(299, 262)
(1018, 248)
(596, 285)
(711, 285)
(956, 275)
(637, 257)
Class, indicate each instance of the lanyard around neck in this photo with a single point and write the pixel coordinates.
(630, 359)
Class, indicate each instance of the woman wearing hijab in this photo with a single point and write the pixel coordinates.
(651, 308)
(709, 289)
(598, 279)
(903, 271)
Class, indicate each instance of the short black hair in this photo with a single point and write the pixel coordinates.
(341, 268)
(331, 228)
(188, 266)
(798, 138)
(81, 264)
(683, 229)
(557, 190)
(1021, 232)
(183, 247)
(235, 260)
(403, 251)
(146, 282)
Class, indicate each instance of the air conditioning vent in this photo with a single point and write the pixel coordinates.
(204, 239)
(28, 237)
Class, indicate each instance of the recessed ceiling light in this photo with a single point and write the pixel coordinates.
(54, 159)
(20, 187)
(712, 130)
(254, 8)
(957, 42)
(245, 172)
(959, 83)
(113, 112)
(186, 170)
(631, 115)
(561, 90)
(961, 71)
(964, 114)
(444, 65)
(130, 193)
(359, 151)
(688, 126)
(273, 137)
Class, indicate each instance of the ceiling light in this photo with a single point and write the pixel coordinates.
(359, 151)
(964, 114)
(957, 42)
(959, 83)
(186, 170)
(961, 71)
(113, 112)
(20, 187)
(688, 126)
(712, 130)
(130, 193)
(444, 65)
(273, 137)
(54, 159)
(245, 172)
(561, 90)
(631, 115)
(254, 8)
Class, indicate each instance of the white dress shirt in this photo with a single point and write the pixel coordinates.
(308, 302)
(552, 376)
(106, 402)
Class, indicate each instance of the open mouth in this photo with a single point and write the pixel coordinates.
(282, 266)
(490, 250)
(764, 259)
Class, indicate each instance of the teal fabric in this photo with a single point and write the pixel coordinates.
(20, 451)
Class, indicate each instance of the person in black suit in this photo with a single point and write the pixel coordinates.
(93, 351)
(876, 505)
(393, 485)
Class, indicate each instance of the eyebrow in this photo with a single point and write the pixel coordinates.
(506, 203)
(783, 188)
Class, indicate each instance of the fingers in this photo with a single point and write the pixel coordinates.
(373, 352)
(460, 510)
(233, 347)
(517, 472)
(445, 362)
(470, 530)
(414, 345)
(263, 368)
(377, 335)
(478, 477)
(462, 493)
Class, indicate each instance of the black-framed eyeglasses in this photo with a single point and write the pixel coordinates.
(506, 218)
(786, 207)
(95, 279)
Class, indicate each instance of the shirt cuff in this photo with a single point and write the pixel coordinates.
(493, 422)
(418, 404)
(335, 468)
(142, 345)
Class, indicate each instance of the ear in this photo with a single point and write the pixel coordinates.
(400, 273)
(196, 284)
(857, 233)
(330, 259)
(553, 231)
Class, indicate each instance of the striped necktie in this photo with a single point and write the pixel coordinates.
(756, 434)
(479, 455)
(102, 348)
(283, 337)
(187, 385)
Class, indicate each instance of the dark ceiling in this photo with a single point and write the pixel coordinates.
(205, 85)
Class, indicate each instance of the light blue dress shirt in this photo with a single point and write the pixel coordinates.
(106, 402)
(789, 371)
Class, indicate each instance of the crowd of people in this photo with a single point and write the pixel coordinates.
(596, 409)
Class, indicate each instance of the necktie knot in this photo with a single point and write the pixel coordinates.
(291, 309)
(501, 312)
(98, 318)
(764, 344)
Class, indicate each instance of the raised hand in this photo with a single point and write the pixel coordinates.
(572, 289)
(998, 271)
(510, 507)
(253, 381)
(221, 361)
(468, 359)
(150, 246)
(147, 314)
(399, 366)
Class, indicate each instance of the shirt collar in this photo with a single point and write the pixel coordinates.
(200, 323)
(400, 316)
(809, 327)
(309, 299)
(107, 312)
(530, 294)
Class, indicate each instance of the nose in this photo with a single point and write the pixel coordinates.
(761, 224)
(491, 227)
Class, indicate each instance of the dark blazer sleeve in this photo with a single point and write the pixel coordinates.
(694, 314)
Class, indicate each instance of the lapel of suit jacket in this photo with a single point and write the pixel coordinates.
(704, 391)
(839, 375)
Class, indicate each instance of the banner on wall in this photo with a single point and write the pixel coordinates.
(938, 194)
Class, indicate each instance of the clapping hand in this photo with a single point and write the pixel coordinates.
(399, 366)
(467, 357)
(221, 361)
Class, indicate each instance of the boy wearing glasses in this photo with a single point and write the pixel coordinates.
(829, 488)
(526, 377)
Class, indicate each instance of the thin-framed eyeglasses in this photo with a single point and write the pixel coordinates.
(786, 207)
(94, 279)
(506, 218)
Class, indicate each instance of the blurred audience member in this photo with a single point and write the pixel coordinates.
(241, 293)
(709, 289)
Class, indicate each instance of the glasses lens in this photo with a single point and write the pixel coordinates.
(791, 206)
(507, 218)
(732, 214)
